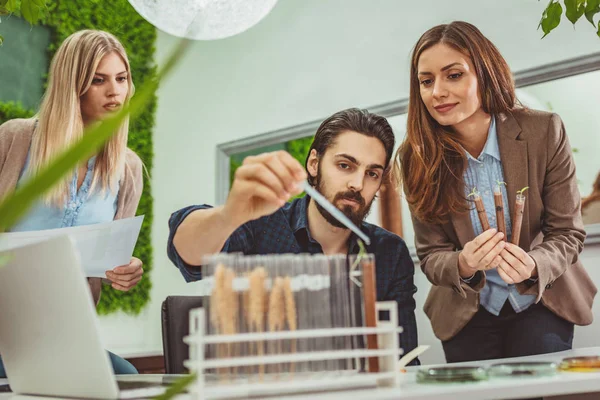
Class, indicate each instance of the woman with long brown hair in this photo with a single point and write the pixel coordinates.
(466, 133)
(89, 78)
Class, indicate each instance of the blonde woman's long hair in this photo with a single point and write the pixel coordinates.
(60, 123)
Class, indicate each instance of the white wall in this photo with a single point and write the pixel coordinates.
(306, 60)
(577, 100)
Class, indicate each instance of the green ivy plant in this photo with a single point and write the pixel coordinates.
(12, 110)
(573, 10)
(30, 10)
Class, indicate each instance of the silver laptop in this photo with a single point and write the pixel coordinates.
(49, 340)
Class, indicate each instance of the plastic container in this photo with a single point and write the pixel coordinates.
(580, 364)
(523, 369)
(452, 374)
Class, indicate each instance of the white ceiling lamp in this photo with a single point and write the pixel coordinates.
(203, 19)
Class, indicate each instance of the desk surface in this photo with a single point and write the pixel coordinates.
(561, 384)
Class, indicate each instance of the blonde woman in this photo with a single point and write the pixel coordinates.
(89, 78)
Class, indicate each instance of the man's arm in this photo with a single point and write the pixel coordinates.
(262, 184)
(199, 232)
(241, 240)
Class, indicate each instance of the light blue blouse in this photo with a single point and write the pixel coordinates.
(483, 173)
(81, 207)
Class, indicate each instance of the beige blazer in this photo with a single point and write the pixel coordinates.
(15, 140)
(535, 152)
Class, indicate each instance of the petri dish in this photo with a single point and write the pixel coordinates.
(580, 364)
(451, 374)
(522, 369)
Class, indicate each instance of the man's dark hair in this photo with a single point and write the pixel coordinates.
(352, 119)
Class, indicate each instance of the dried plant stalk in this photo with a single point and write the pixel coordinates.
(230, 304)
(215, 296)
(228, 308)
(215, 301)
(277, 310)
(245, 305)
(290, 313)
(257, 300)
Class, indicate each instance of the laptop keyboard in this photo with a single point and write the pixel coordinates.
(123, 385)
(131, 385)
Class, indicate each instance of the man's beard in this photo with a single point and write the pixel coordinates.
(356, 216)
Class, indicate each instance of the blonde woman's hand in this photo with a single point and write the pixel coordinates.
(481, 253)
(125, 277)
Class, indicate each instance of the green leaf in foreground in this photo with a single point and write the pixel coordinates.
(177, 387)
(4, 258)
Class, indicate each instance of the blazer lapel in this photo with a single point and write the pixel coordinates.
(513, 152)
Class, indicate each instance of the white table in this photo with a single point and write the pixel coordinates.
(573, 385)
(555, 387)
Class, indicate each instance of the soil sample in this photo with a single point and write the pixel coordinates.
(499, 203)
(518, 218)
(370, 297)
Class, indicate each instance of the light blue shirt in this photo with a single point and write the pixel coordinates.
(81, 207)
(483, 173)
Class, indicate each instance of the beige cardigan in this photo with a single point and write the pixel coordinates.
(15, 140)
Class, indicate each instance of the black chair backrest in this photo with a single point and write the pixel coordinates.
(175, 325)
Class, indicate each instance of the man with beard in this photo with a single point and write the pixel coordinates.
(348, 160)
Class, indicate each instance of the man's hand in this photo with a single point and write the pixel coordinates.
(516, 265)
(126, 277)
(263, 184)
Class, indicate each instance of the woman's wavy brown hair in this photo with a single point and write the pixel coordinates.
(430, 161)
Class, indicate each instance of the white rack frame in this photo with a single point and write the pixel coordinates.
(388, 352)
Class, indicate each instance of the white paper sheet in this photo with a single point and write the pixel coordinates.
(101, 247)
